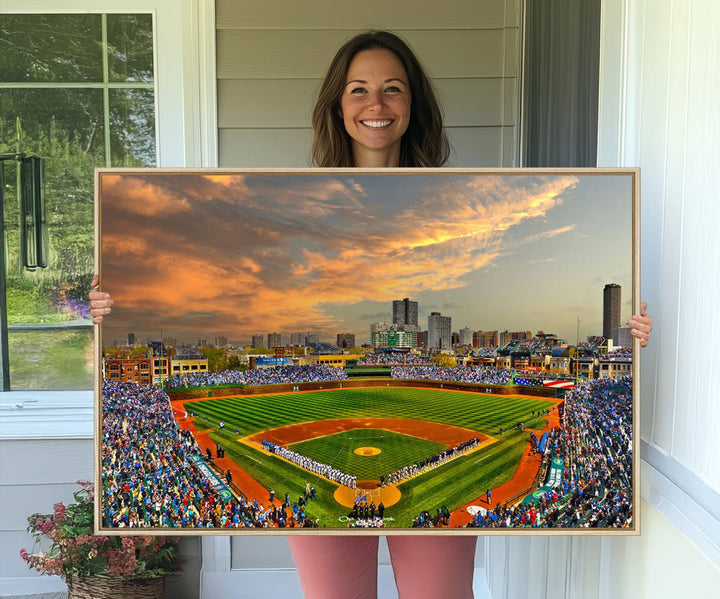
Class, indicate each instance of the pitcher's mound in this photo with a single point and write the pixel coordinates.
(388, 495)
(367, 451)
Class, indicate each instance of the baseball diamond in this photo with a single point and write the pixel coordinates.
(405, 426)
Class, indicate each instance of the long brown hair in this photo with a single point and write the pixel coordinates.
(423, 144)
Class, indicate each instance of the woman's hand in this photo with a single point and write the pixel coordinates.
(100, 302)
(641, 325)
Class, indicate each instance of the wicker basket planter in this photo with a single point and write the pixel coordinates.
(116, 587)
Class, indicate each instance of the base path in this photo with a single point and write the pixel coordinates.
(246, 483)
(523, 478)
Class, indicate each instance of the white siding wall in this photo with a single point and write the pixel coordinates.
(271, 57)
(660, 82)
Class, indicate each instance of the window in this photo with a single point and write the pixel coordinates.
(77, 90)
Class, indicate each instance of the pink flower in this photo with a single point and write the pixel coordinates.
(128, 543)
(25, 555)
(121, 562)
(59, 509)
(43, 526)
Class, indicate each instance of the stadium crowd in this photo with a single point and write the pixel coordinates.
(392, 358)
(461, 374)
(595, 442)
(147, 478)
(441, 519)
(257, 376)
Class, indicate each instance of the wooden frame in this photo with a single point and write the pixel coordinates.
(188, 253)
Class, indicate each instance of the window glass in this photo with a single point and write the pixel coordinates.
(52, 360)
(132, 127)
(130, 47)
(77, 115)
(37, 48)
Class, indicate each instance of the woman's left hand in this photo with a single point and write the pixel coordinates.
(641, 325)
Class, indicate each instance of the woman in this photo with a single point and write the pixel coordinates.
(376, 108)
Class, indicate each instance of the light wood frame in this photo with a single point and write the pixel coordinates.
(628, 226)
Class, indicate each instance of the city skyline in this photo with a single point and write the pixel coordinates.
(211, 255)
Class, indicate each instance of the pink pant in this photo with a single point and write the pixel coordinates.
(425, 567)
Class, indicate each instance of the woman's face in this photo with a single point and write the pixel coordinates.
(375, 107)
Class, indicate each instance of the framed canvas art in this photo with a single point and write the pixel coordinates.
(434, 351)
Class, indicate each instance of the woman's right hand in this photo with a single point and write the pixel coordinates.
(100, 302)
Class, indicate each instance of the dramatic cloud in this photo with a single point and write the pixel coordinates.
(244, 253)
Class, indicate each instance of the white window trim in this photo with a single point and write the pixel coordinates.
(186, 126)
(673, 489)
(186, 109)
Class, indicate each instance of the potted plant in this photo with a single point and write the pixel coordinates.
(96, 566)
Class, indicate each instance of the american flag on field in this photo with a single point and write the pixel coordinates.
(360, 498)
(558, 384)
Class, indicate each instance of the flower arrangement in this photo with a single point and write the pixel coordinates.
(75, 553)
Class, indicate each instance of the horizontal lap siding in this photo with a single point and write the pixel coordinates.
(271, 58)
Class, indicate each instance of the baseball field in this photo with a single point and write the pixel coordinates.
(369, 432)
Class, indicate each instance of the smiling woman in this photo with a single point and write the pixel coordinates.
(375, 107)
(375, 78)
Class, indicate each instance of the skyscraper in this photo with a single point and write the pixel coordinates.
(345, 340)
(297, 338)
(274, 340)
(466, 336)
(439, 331)
(611, 309)
(405, 312)
(485, 339)
(257, 341)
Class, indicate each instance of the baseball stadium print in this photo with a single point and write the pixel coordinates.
(367, 352)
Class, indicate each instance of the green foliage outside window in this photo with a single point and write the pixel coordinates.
(76, 90)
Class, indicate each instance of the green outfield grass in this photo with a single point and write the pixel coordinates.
(397, 450)
(484, 413)
(452, 485)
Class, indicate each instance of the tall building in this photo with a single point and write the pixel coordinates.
(622, 337)
(131, 339)
(405, 312)
(485, 339)
(202, 342)
(439, 331)
(221, 341)
(345, 340)
(312, 338)
(466, 336)
(274, 340)
(611, 309)
(257, 341)
(297, 338)
(508, 336)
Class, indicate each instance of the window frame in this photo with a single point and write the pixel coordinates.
(186, 135)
